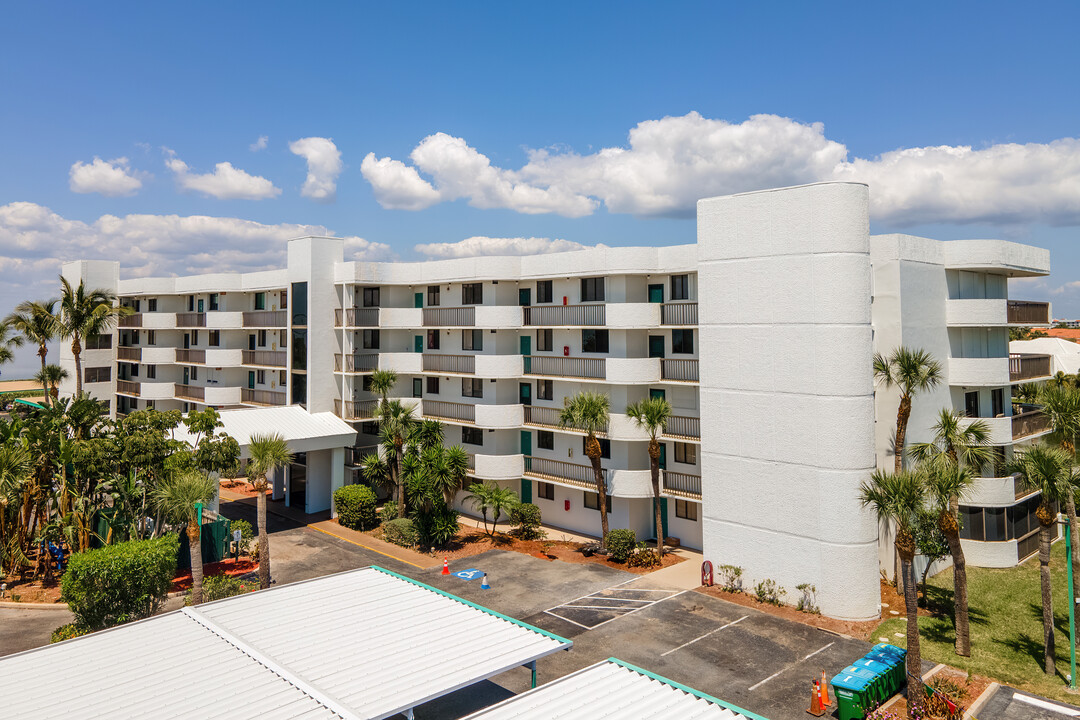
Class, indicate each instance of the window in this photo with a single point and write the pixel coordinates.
(472, 387)
(472, 436)
(283, 377)
(472, 339)
(151, 372)
(680, 287)
(684, 508)
(150, 404)
(433, 339)
(194, 374)
(214, 301)
(545, 440)
(545, 490)
(996, 524)
(134, 337)
(215, 338)
(592, 289)
(544, 291)
(299, 307)
(544, 340)
(191, 303)
(686, 453)
(299, 391)
(365, 383)
(151, 305)
(971, 404)
(299, 352)
(194, 337)
(997, 402)
(432, 386)
(97, 375)
(284, 295)
(260, 377)
(137, 305)
(545, 389)
(417, 387)
(99, 342)
(369, 428)
(260, 301)
(682, 341)
(472, 293)
(134, 370)
(371, 297)
(433, 295)
(262, 338)
(605, 447)
(997, 467)
(592, 501)
(594, 341)
(371, 339)
(151, 337)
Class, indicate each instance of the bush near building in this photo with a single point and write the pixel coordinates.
(525, 517)
(218, 587)
(400, 532)
(355, 506)
(621, 544)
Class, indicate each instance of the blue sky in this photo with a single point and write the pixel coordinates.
(578, 122)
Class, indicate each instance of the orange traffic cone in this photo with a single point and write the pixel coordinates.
(445, 566)
(824, 691)
(815, 700)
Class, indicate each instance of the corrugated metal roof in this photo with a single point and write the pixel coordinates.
(302, 430)
(361, 644)
(613, 689)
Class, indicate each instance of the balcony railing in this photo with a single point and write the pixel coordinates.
(1029, 423)
(547, 365)
(682, 426)
(682, 484)
(1026, 367)
(355, 410)
(265, 318)
(130, 321)
(562, 472)
(269, 358)
(261, 397)
(190, 320)
(126, 387)
(678, 313)
(450, 317)
(461, 364)
(356, 363)
(679, 370)
(559, 315)
(190, 357)
(356, 317)
(549, 417)
(440, 410)
(190, 392)
(130, 354)
(354, 456)
(1028, 313)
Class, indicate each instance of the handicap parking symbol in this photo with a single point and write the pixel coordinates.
(468, 574)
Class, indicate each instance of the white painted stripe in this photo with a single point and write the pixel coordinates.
(639, 609)
(702, 637)
(779, 672)
(596, 607)
(567, 619)
(757, 685)
(819, 650)
(1061, 709)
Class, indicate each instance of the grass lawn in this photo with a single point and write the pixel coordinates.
(1006, 625)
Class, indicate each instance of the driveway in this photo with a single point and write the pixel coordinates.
(25, 629)
(1009, 704)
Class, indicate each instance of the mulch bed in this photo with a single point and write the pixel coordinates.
(30, 591)
(971, 687)
(225, 567)
(242, 487)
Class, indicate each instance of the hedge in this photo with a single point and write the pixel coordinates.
(621, 544)
(118, 583)
(355, 506)
(400, 532)
(525, 517)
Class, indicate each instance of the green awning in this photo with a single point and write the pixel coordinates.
(31, 404)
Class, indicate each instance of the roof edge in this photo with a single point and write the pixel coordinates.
(687, 689)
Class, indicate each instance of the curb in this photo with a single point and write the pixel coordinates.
(5, 604)
(981, 701)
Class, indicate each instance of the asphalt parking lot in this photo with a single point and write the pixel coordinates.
(1009, 704)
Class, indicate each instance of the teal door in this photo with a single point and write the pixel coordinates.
(525, 296)
(418, 343)
(656, 346)
(418, 300)
(526, 490)
(663, 456)
(187, 375)
(526, 352)
(656, 293)
(251, 379)
(525, 393)
(200, 305)
(663, 517)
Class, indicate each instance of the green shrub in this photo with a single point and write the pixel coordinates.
(807, 599)
(643, 556)
(400, 532)
(355, 506)
(247, 534)
(388, 512)
(437, 527)
(620, 544)
(525, 517)
(218, 587)
(767, 591)
(66, 632)
(729, 577)
(118, 583)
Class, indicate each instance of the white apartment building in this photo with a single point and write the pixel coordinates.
(761, 336)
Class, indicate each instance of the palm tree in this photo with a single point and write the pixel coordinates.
(652, 415)
(8, 341)
(912, 371)
(1062, 406)
(589, 412)
(447, 469)
(898, 499)
(395, 426)
(84, 313)
(382, 382)
(50, 377)
(489, 496)
(1048, 470)
(949, 460)
(178, 500)
(37, 323)
(267, 453)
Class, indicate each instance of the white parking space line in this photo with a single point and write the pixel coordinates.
(781, 671)
(619, 606)
(600, 607)
(631, 612)
(548, 612)
(807, 657)
(702, 637)
(1060, 709)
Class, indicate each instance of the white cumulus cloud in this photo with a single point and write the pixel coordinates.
(324, 166)
(112, 178)
(225, 183)
(480, 245)
(670, 163)
(259, 144)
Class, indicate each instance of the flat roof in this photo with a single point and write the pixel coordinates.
(303, 431)
(363, 644)
(613, 689)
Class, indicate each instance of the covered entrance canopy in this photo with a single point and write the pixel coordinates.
(303, 431)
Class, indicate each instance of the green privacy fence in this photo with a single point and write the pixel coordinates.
(216, 536)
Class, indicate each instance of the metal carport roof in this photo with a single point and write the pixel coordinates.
(302, 431)
(617, 690)
(362, 644)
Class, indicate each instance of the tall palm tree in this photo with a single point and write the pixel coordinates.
(267, 453)
(37, 323)
(1062, 406)
(447, 469)
(652, 415)
(382, 382)
(84, 313)
(912, 371)
(950, 460)
(50, 378)
(177, 499)
(8, 341)
(395, 426)
(589, 412)
(1048, 470)
(898, 499)
(490, 496)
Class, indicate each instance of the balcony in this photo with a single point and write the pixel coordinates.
(221, 320)
(452, 411)
(449, 317)
(185, 356)
(354, 456)
(194, 393)
(1021, 312)
(126, 387)
(1030, 423)
(129, 354)
(682, 427)
(356, 317)
(250, 396)
(679, 313)
(356, 363)
(564, 316)
(679, 370)
(978, 372)
(681, 485)
(265, 318)
(406, 318)
(456, 364)
(191, 320)
(496, 467)
(554, 366)
(560, 472)
(1028, 367)
(265, 358)
(153, 355)
(403, 363)
(498, 416)
(130, 321)
(353, 411)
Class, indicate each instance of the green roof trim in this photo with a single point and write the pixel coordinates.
(489, 611)
(28, 402)
(687, 689)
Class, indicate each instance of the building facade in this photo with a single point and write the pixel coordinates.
(760, 335)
